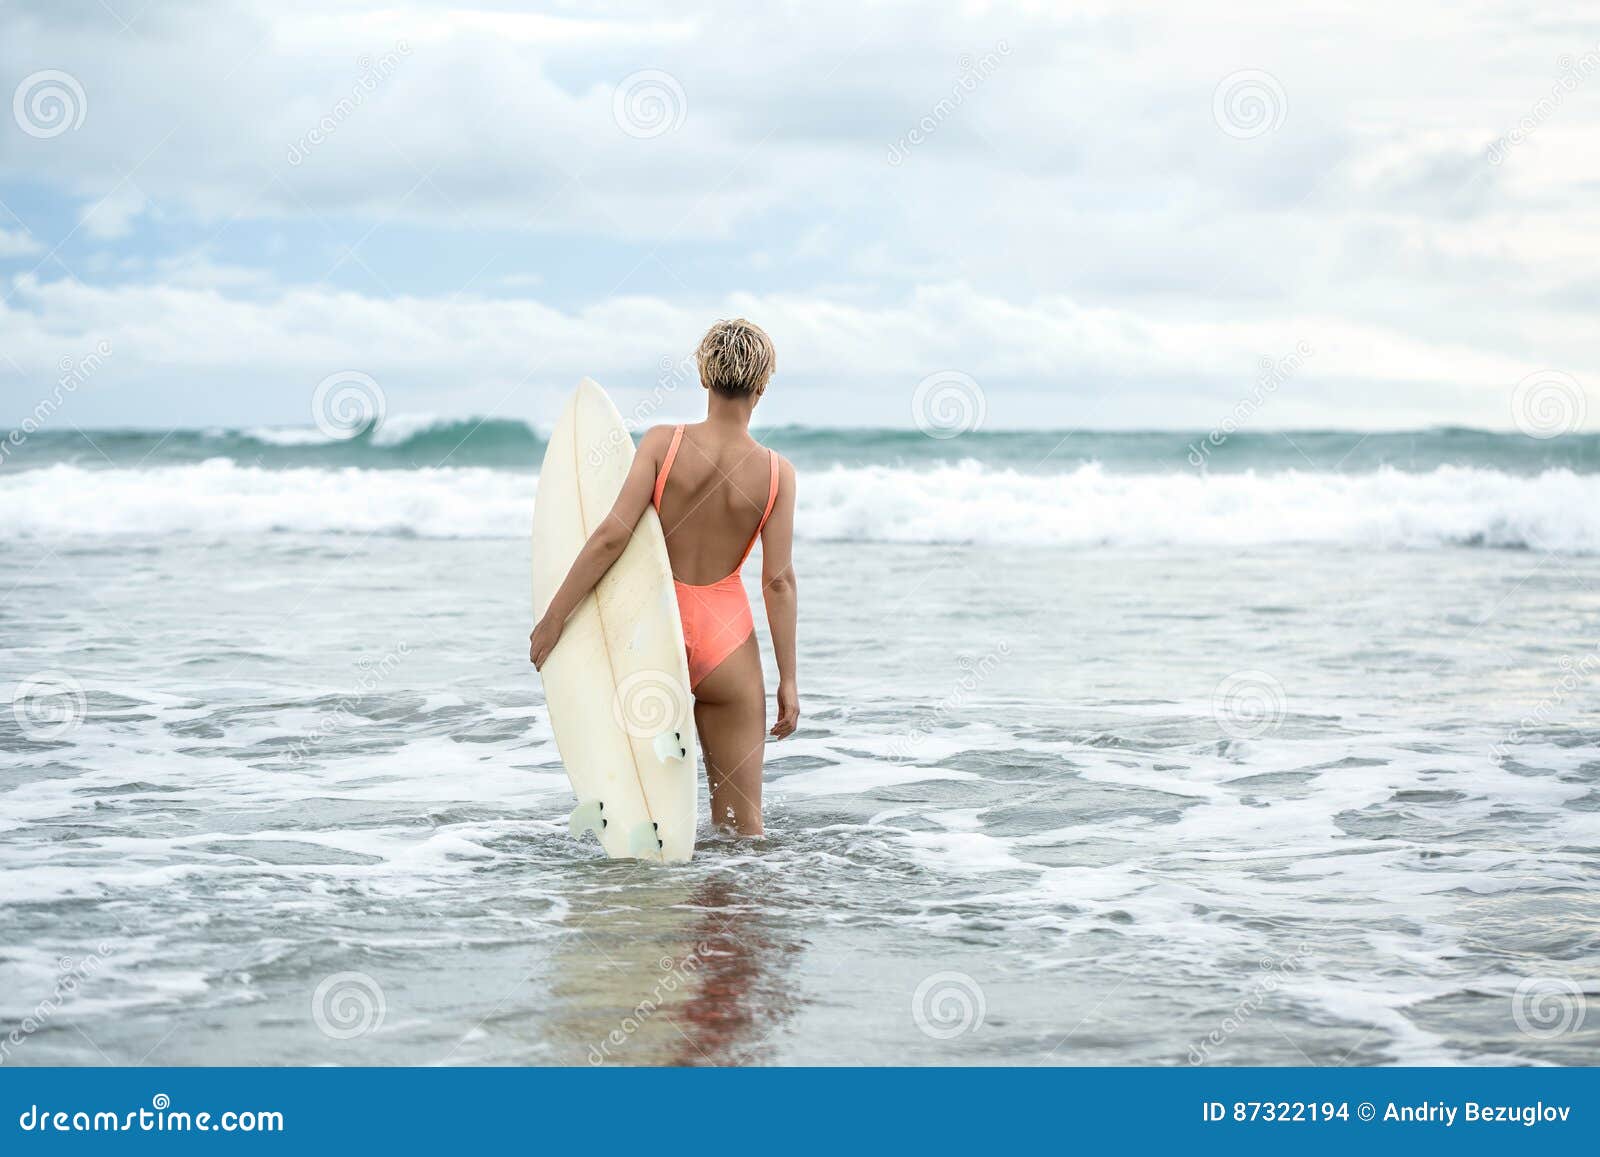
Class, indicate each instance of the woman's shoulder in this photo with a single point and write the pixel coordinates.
(657, 436)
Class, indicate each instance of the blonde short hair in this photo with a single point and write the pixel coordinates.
(736, 358)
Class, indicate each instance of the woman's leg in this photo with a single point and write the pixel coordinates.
(730, 712)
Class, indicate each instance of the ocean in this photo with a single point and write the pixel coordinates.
(1115, 749)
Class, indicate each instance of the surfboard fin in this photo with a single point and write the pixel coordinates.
(587, 817)
(644, 842)
(670, 747)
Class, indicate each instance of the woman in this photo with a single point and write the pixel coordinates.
(717, 491)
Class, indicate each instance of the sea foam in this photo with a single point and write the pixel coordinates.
(1557, 511)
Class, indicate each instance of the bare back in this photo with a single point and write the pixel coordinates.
(713, 501)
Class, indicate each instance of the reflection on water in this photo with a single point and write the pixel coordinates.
(743, 992)
(678, 973)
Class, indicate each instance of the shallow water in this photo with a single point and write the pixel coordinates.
(1122, 806)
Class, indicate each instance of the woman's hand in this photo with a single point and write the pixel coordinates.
(788, 711)
(543, 640)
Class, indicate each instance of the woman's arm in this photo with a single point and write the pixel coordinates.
(604, 547)
(782, 599)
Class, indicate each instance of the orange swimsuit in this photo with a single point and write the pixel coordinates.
(716, 617)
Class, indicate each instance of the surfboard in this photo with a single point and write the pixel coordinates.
(617, 684)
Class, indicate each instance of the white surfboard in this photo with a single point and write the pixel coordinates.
(617, 684)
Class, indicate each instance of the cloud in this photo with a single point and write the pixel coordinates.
(1080, 218)
(113, 215)
(18, 243)
(839, 363)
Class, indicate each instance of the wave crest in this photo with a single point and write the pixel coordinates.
(1557, 510)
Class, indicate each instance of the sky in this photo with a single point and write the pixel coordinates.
(1094, 215)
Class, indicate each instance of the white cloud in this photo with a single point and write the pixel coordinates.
(112, 216)
(839, 363)
(18, 243)
(1080, 217)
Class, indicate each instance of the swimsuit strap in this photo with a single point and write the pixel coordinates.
(772, 497)
(666, 465)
